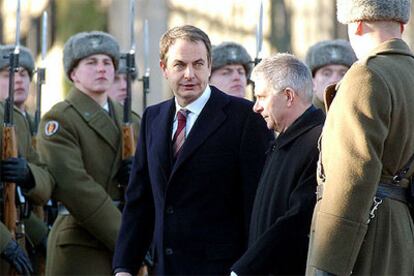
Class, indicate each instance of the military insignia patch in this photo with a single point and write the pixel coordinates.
(51, 128)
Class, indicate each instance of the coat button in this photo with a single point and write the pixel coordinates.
(170, 210)
(168, 251)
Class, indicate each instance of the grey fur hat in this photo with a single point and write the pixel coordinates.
(349, 11)
(231, 53)
(327, 52)
(85, 44)
(25, 58)
(122, 68)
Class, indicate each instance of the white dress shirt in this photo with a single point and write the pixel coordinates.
(194, 109)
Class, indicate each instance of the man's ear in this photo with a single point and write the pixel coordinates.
(163, 67)
(359, 28)
(73, 75)
(290, 96)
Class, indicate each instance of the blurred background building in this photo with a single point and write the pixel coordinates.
(288, 26)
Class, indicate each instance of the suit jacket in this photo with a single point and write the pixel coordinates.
(367, 138)
(197, 210)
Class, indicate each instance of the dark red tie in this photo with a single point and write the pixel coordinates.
(179, 136)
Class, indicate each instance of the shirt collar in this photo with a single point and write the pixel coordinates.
(106, 107)
(196, 106)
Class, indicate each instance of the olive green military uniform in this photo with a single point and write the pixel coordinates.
(43, 179)
(81, 143)
(318, 103)
(367, 138)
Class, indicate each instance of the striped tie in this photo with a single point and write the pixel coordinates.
(179, 136)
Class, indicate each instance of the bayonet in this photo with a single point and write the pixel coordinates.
(146, 76)
(259, 35)
(41, 74)
(130, 63)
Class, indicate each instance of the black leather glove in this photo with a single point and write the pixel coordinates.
(17, 258)
(124, 172)
(17, 170)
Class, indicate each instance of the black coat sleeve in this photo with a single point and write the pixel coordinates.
(283, 246)
(254, 143)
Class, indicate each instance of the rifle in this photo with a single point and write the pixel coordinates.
(128, 144)
(9, 148)
(146, 77)
(41, 76)
(9, 145)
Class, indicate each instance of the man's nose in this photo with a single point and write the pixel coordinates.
(236, 75)
(336, 77)
(17, 77)
(257, 107)
(100, 67)
(189, 72)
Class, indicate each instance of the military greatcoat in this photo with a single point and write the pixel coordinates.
(81, 143)
(43, 179)
(367, 138)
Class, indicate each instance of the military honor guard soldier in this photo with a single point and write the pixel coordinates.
(118, 92)
(26, 171)
(80, 140)
(362, 223)
(230, 69)
(328, 60)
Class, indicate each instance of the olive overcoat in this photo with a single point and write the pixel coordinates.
(44, 181)
(81, 143)
(367, 138)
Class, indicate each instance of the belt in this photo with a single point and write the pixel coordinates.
(383, 191)
(392, 191)
(63, 211)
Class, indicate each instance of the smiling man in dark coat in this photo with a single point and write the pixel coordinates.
(193, 202)
(285, 198)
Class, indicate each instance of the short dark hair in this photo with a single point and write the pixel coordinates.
(186, 32)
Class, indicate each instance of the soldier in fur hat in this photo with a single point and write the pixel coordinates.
(231, 68)
(328, 60)
(362, 223)
(118, 90)
(80, 140)
(33, 178)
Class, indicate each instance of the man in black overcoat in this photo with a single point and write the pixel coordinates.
(285, 198)
(196, 170)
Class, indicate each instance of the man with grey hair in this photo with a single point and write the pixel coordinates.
(282, 210)
(328, 60)
(362, 223)
(231, 68)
